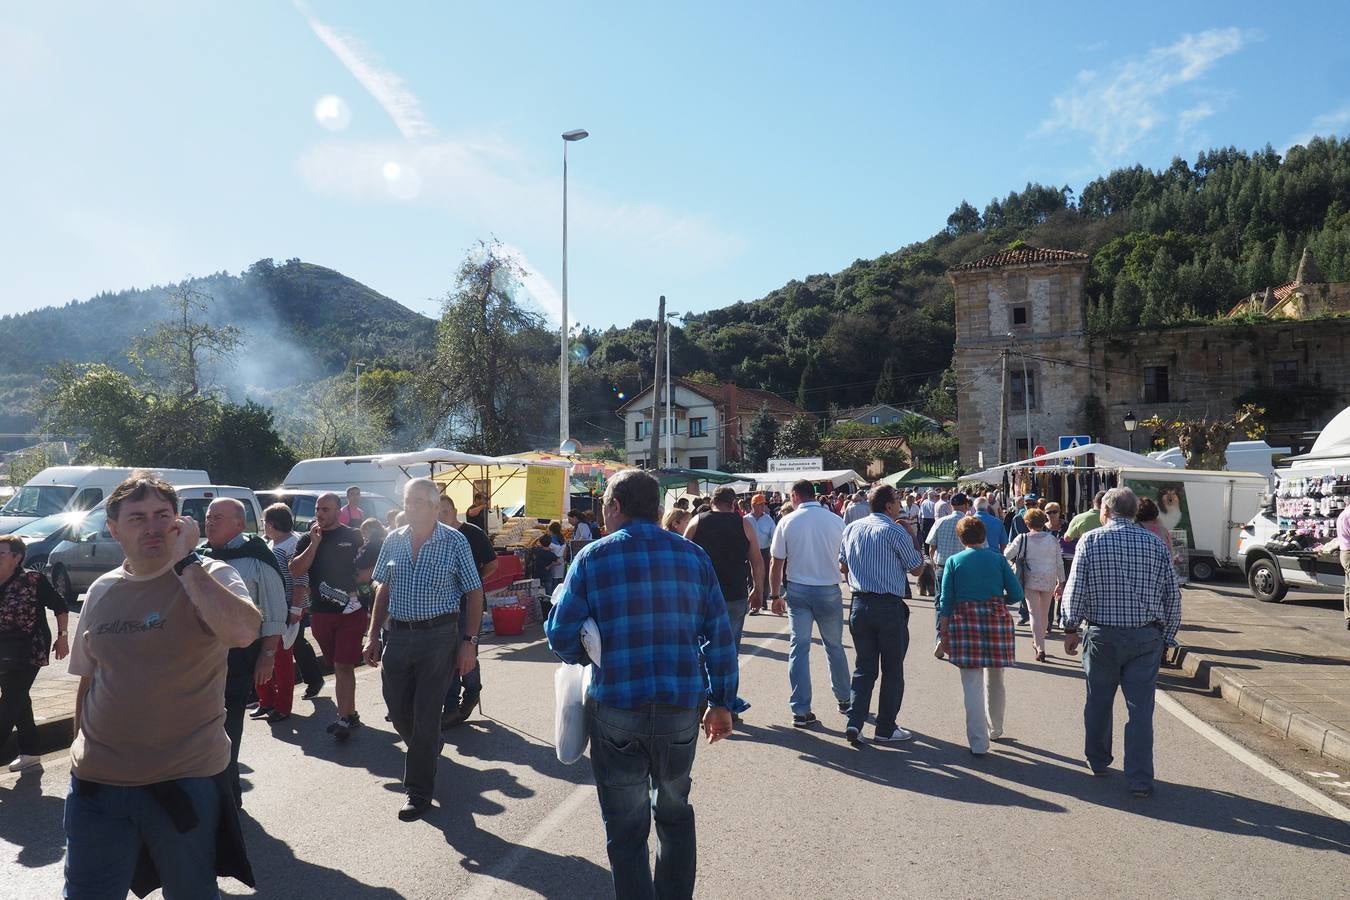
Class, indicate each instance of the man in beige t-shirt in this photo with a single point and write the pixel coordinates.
(150, 651)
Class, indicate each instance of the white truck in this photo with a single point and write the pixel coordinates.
(337, 473)
(1204, 511)
(68, 488)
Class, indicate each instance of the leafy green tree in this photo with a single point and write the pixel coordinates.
(760, 443)
(799, 436)
(178, 353)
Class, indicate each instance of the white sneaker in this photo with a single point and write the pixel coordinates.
(899, 734)
(24, 761)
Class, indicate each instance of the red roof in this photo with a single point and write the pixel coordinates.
(1024, 256)
(1277, 295)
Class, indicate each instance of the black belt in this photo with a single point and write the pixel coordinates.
(1154, 624)
(422, 624)
(880, 596)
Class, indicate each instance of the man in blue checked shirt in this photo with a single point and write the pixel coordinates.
(1123, 588)
(875, 555)
(667, 651)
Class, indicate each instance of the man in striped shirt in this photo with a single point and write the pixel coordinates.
(875, 555)
(667, 650)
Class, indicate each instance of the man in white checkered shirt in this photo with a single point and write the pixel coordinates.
(1124, 590)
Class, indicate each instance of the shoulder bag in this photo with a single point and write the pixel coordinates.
(1020, 564)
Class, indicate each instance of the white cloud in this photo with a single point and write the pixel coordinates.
(1121, 106)
(1324, 125)
(387, 87)
(1192, 117)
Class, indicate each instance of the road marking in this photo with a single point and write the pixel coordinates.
(486, 884)
(1252, 761)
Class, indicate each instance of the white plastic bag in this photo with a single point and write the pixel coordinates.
(570, 734)
(290, 634)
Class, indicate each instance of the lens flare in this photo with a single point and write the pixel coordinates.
(580, 353)
(332, 112)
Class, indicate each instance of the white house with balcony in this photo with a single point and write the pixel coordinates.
(707, 423)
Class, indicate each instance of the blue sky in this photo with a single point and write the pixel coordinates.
(734, 146)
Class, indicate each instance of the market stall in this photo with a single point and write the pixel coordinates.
(783, 481)
(909, 479)
(1068, 477)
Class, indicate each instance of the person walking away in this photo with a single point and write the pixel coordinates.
(874, 555)
(995, 534)
(762, 521)
(1085, 521)
(676, 520)
(1343, 544)
(976, 629)
(26, 644)
(1122, 591)
(927, 513)
(808, 541)
(149, 765)
(943, 506)
(857, 508)
(425, 581)
(732, 545)
(254, 665)
(278, 694)
(352, 514)
(667, 651)
(944, 543)
(327, 555)
(457, 709)
(1043, 573)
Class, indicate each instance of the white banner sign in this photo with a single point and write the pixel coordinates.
(797, 464)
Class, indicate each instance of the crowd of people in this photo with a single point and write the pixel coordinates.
(174, 646)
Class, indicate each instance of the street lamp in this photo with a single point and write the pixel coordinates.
(564, 437)
(1131, 423)
(670, 425)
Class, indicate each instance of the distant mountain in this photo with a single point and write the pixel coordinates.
(300, 322)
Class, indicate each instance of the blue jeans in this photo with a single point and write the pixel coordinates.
(822, 604)
(105, 831)
(736, 612)
(880, 629)
(1125, 658)
(641, 759)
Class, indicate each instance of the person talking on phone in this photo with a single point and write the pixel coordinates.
(149, 765)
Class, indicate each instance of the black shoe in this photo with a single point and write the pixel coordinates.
(261, 712)
(277, 715)
(844, 706)
(1023, 622)
(312, 691)
(451, 719)
(340, 730)
(852, 733)
(466, 706)
(252, 704)
(354, 720)
(414, 809)
(803, 721)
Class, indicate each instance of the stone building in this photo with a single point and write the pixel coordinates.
(1028, 306)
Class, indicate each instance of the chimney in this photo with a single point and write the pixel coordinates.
(1308, 273)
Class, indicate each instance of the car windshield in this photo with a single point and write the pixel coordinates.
(48, 525)
(34, 500)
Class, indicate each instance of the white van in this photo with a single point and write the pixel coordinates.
(68, 488)
(337, 473)
(90, 550)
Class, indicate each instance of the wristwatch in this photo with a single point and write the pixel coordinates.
(471, 639)
(186, 561)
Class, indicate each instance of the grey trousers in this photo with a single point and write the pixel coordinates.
(416, 671)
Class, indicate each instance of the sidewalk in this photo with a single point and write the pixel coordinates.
(1290, 673)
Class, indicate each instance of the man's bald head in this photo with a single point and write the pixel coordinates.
(224, 521)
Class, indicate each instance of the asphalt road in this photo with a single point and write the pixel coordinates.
(782, 812)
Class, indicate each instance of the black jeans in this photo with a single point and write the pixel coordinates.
(16, 708)
(472, 683)
(879, 624)
(305, 659)
(238, 688)
(415, 673)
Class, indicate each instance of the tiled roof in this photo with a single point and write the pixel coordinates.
(879, 443)
(1278, 295)
(1019, 258)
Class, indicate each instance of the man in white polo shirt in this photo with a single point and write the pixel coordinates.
(806, 545)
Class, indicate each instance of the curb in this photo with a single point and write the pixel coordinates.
(53, 735)
(1304, 729)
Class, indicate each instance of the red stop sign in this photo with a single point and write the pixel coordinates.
(1038, 454)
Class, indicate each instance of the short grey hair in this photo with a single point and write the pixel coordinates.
(1121, 503)
(424, 486)
(982, 503)
(637, 493)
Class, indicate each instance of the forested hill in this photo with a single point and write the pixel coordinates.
(299, 321)
(1167, 246)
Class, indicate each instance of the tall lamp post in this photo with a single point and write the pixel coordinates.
(670, 425)
(1131, 423)
(565, 445)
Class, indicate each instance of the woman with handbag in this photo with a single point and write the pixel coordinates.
(25, 639)
(1039, 565)
(976, 630)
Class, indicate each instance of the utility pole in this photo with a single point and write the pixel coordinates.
(1003, 411)
(653, 457)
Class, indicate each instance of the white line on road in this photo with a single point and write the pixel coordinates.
(1252, 761)
(488, 883)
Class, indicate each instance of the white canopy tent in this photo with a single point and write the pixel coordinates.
(1106, 456)
(503, 478)
(1331, 446)
(782, 481)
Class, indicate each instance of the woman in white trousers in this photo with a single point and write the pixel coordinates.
(1038, 554)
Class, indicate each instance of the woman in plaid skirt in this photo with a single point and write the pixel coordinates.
(976, 630)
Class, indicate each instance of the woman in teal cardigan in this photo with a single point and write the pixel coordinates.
(976, 630)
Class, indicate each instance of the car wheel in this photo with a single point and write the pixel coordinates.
(1265, 581)
(61, 581)
(1202, 569)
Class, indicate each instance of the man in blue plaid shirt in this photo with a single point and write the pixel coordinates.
(666, 650)
(1123, 588)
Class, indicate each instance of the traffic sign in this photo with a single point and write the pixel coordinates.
(1072, 442)
(1038, 453)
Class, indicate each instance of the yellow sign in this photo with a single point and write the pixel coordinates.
(544, 491)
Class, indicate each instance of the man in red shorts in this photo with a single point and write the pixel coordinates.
(327, 554)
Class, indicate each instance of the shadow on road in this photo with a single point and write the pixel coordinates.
(32, 821)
